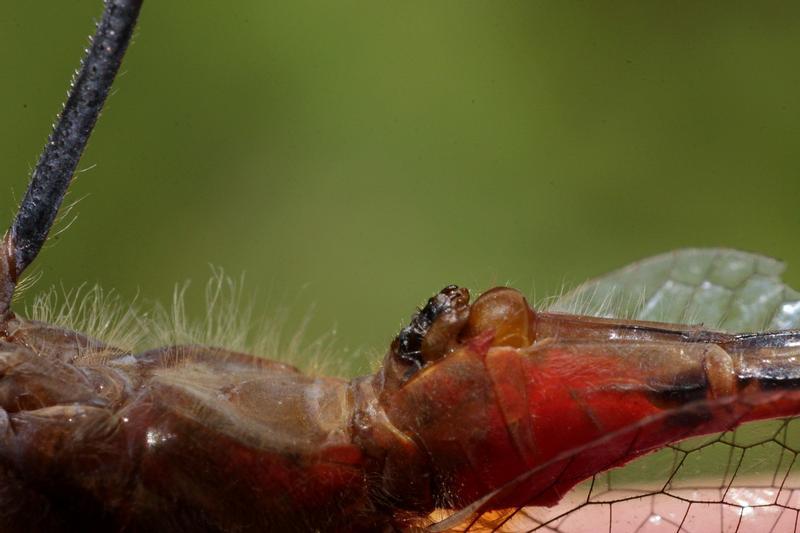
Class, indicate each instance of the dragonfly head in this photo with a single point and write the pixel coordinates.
(435, 389)
(447, 323)
(432, 332)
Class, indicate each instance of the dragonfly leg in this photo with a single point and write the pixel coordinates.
(59, 159)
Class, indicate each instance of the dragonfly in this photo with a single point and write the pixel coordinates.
(485, 414)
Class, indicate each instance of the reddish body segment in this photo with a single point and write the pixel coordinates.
(477, 407)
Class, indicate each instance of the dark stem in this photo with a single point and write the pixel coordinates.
(56, 166)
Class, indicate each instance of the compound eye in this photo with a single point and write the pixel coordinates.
(434, 330)
(506, 314)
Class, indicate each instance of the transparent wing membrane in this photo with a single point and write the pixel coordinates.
(744, 481)
(722, 289)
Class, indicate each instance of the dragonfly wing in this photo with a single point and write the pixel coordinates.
(720, 288)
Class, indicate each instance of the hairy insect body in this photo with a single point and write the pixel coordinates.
(193, 438)
(179, 439)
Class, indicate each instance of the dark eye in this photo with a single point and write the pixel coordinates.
(433, 330)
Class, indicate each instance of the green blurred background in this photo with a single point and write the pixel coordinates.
(357, 156)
